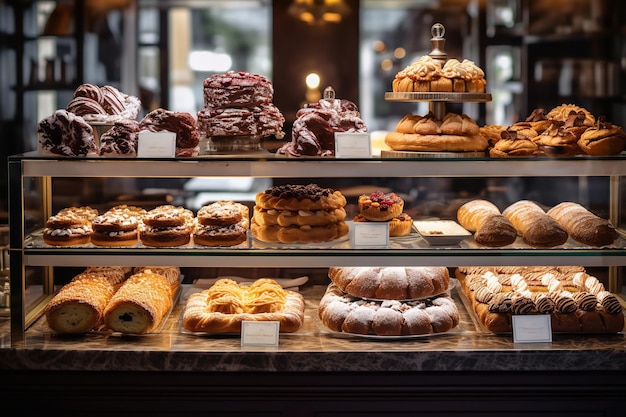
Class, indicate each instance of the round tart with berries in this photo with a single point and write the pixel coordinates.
(379, 206)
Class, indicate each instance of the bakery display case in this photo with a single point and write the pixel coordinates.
(312, 354)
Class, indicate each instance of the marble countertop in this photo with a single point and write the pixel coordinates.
(312, 348)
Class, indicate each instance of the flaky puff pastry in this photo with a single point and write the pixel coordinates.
(141, 304)
(603, 139)
(538, 120)
(562, 112)
(514, 144)
(223, 307)
(558, 140)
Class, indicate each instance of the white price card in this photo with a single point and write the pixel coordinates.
(156, 144)
(352, 145)
(372, 234)
(532, 328)
(259, 333)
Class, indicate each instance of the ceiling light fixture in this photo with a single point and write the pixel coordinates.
(319, 11)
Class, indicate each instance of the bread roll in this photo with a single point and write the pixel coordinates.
(490, 227)
(140, 305)
(534, 225)
(582, 225)
(79, 306)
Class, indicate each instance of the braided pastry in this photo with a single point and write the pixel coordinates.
(222, 308)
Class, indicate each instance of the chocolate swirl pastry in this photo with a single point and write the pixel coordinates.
(313, 132)
(585, 300)
(181, 123)
(64, 133)
(523, 305)
(121, 139)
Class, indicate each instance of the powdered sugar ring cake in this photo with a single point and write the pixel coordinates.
(391, 283)
(343, 313)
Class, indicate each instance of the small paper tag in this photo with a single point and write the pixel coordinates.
(156, 144)
(259, 333)
(370, 234)
(352, 145)
(532, 328)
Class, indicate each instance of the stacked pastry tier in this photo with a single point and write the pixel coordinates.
(393, 301)
(427, 75)
(223, 307)
(222, 223)
(576, 301)
(166, 226)
(313, 132)
(566, 130)
(454, 133)
(385, 207)
(238, 105)
(120, 299)
(299, 213)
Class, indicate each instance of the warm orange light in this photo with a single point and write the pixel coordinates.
(386, 64)
(399, 53)
(319, 11)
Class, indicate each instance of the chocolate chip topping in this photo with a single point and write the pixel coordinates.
(310, 191)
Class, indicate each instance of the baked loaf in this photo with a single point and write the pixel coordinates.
(222, 223)
(141, 303)
(379, 206)
(582, 225)
(222, 308)
(79, 306)
(313, 131)
(534, 226)
(65, 133)
(603, 139)
(299, 213)
(489, 226)
(391, 283)
(576, 301)
(455, 133)
(344, 313)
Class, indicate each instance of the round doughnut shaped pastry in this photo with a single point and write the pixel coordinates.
(167, 216)
(222, 213)
(216, 235)
(391, 283)
(286, 218)
(300, 197)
